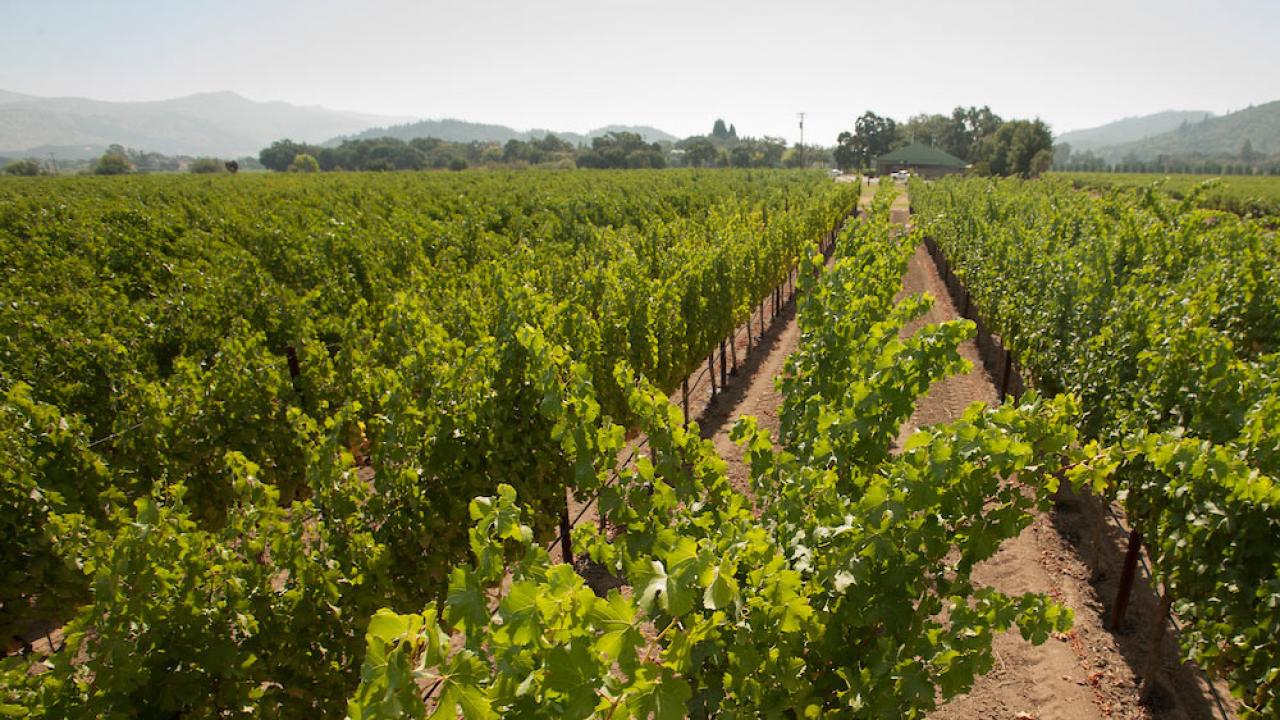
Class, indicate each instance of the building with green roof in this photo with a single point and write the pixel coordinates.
(920, 159)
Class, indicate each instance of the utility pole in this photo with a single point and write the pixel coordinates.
(54, 162)
(800, 147)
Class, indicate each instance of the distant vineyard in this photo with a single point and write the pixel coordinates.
(1254, 196)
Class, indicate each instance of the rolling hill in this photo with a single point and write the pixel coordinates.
(222, 124)
(464, 131)
(1130, 129)
(1217, 136)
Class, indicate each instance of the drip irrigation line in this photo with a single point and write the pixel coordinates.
(115, 435)
(616, 474)
(698, 381)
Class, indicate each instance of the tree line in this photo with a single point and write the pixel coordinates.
(990, 144)
(722, 147)
(1245, 162)
(121, 160)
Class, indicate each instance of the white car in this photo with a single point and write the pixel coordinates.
(901, 175)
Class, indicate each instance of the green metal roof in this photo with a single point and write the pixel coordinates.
(921, 154)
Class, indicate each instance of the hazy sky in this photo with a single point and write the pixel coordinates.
(677, 65)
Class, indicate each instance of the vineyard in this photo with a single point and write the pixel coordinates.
(240, 416)
(302, 446)
(1162, 319)
(838, 584)
(1253, 196)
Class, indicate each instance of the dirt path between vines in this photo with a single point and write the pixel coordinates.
(756, 358)
(1088, 672)
(754, 391)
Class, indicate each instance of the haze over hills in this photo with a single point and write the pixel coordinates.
(1183, 134)
(1225, 135)
(464, 131)
(222, 124)
(1130, 129)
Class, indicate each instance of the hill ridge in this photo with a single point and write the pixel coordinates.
(457, 130)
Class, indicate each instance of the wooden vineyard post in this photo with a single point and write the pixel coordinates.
(566, 543)
(684, 399)
(733, 350)
(1004, 381)
(762, 319)
(1154, 646)
(724, 369)
(291, 355)
(748, 334)
(1126, 580)
(711, 372)
(295, 370)
(965, 312)
(1099, 533)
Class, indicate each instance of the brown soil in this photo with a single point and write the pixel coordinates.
(1071, 553)
(753, 392)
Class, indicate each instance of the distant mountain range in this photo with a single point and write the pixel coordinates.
(1182, 133)
(221, 124)
(224, 124)
(463, 131)
(1130, 129)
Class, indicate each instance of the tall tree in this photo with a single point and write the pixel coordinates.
(1016, 148)
(280, 155)
(719, 131)
(699, 152)
(872, 136)
(29, 167)
(968, 129)
(304, 163)
(1062, 155)
(622, 150)
(926, 129)
(845, 156)
(113, 162)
